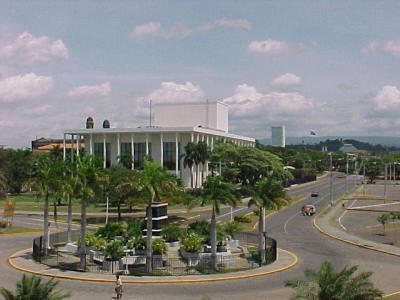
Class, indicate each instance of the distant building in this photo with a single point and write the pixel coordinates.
(47, 144)
(348, 148)
(278, 136)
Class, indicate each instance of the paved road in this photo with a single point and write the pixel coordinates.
(293, 231)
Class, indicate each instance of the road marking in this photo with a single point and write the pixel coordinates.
(232, 212)
(342, 215)
(375, 205)
(288, 220)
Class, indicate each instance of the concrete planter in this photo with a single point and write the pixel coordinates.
(158, 261)
(71, 247)
(139, 251)
(232, 243)
(174, 244)
(192, 258)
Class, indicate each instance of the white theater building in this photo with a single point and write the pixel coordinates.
(175, 124)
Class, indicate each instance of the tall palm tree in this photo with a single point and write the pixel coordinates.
(88, 172)
(203, 154)
(216, 192)
(267, 194)
(32, 288)
(326, 284)
(43, 180)
(189, 159)
(155, 181)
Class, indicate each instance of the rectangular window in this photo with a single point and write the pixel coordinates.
(99, 150)
(140, 152)
(126, 147)
(169, 155)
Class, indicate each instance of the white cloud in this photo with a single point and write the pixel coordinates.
(84, 91)
(28, 86)
(151, 28)
(175, 92)
(370, 47)
(275, 47)
(393, 47)
(180, 30)
(26, 50)
(6, 124)
(388, 98)
(247, 102)
(286, 80)
(268, 46)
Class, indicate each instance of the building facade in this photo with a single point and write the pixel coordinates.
(165, 141)
(278, 136)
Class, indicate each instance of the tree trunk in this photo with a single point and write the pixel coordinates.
(46, 242)
(213, 240)
(69, 226)
(119, 210)
(261, 248)
(197, 175)
(83, 236)
(191, 177)
(55, 212)
(149, 256)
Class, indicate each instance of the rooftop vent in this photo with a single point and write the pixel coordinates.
(89, 123)
(106, 124)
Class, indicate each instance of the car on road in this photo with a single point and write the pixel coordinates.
(314, 194)
(308, 210)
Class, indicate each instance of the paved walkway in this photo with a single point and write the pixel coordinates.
(23, 261)
(323, 225)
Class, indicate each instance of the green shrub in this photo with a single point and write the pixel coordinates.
(171, 233)
(111, 230)
(159, 247)
(230, 228)
(139, 243)
(253, 252)
(114, 251)
(192, 242)
(135, 228)
(256, 212)
(243, 219)
(201, 228)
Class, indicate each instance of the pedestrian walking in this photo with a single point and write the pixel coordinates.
(118, 287)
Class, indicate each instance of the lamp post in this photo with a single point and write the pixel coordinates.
(331, 180)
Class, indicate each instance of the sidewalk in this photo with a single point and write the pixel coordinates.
(22, 260)
(322, 224)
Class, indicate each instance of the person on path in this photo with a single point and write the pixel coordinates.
(118, 287)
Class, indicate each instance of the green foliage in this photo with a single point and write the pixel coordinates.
(139, 243)
(230, 228)
(254, 254)
(16, 165)
(3, 185)
(171, 233)
(383, 219)
(201, 228)
(159, 247)
(328, 284)
(268, 193)
(373, 168)
(111, 230)
(242, 219)
(114, 251)
(135, 227)
(192, 242)
(32, 288)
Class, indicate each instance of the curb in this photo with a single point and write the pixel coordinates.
(21, 233)
(295, 258)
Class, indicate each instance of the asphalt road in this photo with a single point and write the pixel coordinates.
(293, 231)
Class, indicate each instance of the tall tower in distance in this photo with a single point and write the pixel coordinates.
(278, 136)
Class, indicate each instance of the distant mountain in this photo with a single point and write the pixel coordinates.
(310, 140)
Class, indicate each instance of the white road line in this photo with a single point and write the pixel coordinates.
(375, 205)
(342, 215)
(220, 216)
(288, 220)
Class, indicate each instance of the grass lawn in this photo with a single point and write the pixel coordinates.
(394, 297)
(16, 229)
(30, 202)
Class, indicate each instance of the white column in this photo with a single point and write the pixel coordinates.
(147, 144)
(161, 149)
(78, 144)
(176, 154)
(133, 151)
(192, 138)
(91, 144)
(212, 143)
(64, 151)
(72, 147)
(104, 151)
(198, 137)
(118, 146)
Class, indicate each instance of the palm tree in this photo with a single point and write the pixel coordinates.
(43, 180)
(203, 155)
(267, 194)
(189, 159)
(326, 284)
(217, 192)
(155, 181)
(31, 288)
(88, 172)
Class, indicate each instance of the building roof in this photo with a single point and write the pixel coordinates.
(145, 129)
(348, 148)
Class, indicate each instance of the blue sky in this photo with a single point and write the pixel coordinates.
(328, 66)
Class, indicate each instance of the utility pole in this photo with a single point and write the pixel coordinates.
(364, 178)
(331, 181)
(384, 190)
(150, 112)
(347, 170)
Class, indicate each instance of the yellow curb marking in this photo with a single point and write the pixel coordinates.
(12, 264)
(20, 233)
